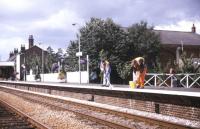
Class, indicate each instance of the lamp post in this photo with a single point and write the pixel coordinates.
(42, 65)
(23, 67)
(79, 54)
(42, 62)
(88, 71)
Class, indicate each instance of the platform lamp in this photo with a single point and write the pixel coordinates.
(79, 54)
(42, 62)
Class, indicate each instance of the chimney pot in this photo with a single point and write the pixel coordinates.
(31, 41)
(22, 48)
(193, 29)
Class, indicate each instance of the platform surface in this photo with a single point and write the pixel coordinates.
(193, 92)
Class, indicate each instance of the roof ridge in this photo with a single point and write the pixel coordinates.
(175, 31)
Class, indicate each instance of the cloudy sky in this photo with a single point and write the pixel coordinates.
(50, 21)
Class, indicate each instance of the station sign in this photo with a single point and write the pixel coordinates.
(79, 54)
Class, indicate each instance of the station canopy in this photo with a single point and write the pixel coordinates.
(4, 63)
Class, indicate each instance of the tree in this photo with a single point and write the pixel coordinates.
(105, 40)
(59, 55)
(140, 40)
(50, 59)
(99, 39)
(144, 42)
(71, 61)
(92, 37)
(60, 58)
(33, 62)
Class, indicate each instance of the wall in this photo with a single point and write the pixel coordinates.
(72, 77)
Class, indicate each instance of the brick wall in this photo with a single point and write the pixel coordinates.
(190, 113)
(138, 103)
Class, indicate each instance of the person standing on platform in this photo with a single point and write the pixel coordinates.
(174, 80)
(106, 78)
(139, 71)
(102, 71)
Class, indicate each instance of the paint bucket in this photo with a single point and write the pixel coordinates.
(132, 84)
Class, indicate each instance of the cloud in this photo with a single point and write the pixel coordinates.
(50, 21)
(59, 20)
(181, 26)
(127, 12)
(8, 45)
(15, 5)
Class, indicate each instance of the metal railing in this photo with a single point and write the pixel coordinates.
(173, 80)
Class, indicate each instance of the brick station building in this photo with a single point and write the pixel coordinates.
(25, 57)
(173, 43)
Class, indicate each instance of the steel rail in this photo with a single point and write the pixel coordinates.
(29, 119)
(83, 115)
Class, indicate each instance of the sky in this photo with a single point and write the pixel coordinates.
(50, 21)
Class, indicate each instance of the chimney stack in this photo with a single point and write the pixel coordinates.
(31, 41)
(11, 54)
(193, 29)
(15, 51)
(22, 48)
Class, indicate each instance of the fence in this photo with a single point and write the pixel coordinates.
(173, 80)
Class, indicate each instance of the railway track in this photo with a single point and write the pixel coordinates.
(106, 117)
(12, 118)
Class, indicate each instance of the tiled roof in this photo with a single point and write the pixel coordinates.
(176, 37)
(12, 58)
(33, 47)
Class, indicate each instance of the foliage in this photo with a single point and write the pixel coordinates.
(71, 61)
(188, 65)
(33, 62)
(103, 55)
(49, 59)
(140, 41)
(104, 39)
(144, 42)
(53, 58)
(59, 55)
(157, 67)
(124, 70)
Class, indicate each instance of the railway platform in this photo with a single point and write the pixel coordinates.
(181, 103)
